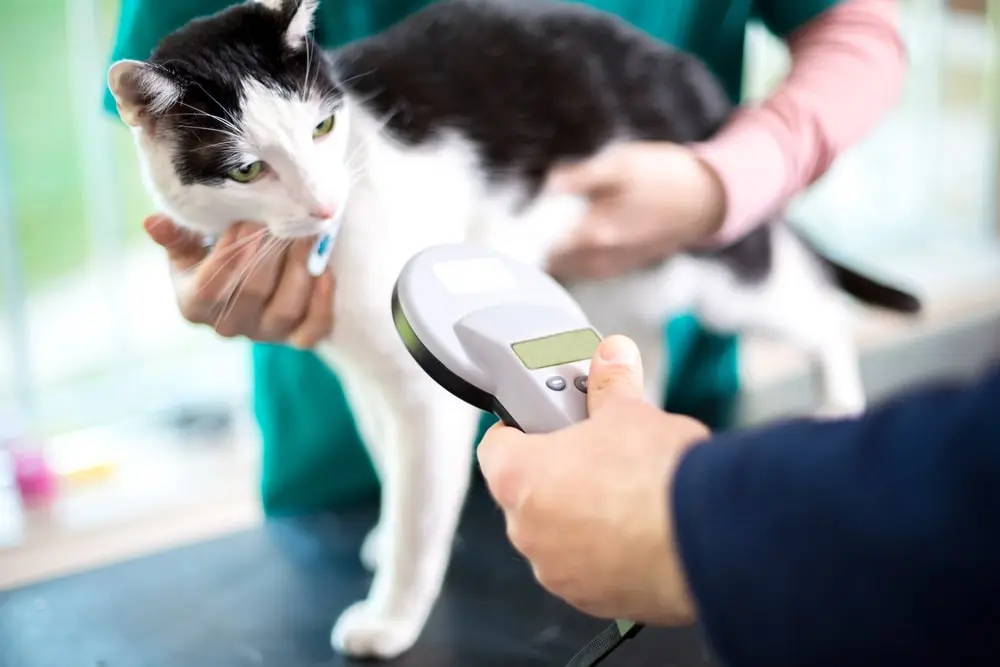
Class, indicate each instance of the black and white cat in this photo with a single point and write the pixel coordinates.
(442, 129)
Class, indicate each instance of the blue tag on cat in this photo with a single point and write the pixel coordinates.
(320, 255)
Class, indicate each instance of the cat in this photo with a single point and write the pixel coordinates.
(442, 128)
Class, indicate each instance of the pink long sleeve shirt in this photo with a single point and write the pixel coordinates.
(848, 69)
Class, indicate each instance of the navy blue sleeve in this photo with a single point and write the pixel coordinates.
(867, 542)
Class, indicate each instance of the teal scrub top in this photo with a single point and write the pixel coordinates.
(312, 456)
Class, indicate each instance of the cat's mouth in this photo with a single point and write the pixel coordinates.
(296, 232)
(306, 228)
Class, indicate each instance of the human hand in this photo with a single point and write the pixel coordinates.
(247, 285)
(588, 505)
(647, 201)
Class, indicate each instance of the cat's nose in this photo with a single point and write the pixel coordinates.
(322, 212)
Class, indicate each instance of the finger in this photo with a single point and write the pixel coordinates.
(216, 279)
(615, 374)
(240, 308)
(597, 230)
(184, 248)
(259, 283)
(598, 234)
(288, 306)
(195, 293)
(587, 264)
(503, 454)
(495, 427)
(319, 320)
(595, 175)
(215, 276)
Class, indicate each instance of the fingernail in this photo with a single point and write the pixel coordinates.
(619, 350)
(152, 222)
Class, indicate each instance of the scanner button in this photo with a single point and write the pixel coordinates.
(555, 383)
(581, 382)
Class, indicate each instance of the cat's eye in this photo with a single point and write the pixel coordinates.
(323, 128)
(247, 172)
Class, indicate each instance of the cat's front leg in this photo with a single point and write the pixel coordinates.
(372, 418)
(425, 471)
(373, 547)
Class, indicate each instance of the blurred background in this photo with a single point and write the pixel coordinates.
(146, 418)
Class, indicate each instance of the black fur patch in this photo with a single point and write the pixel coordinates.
(210, 58)
(531, 82)
(535, 83)
(750, 257)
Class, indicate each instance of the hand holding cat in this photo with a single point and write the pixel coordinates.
(588, 505)
(647, 201)
(240, 288)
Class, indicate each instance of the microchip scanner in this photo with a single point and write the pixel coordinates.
(507, 338)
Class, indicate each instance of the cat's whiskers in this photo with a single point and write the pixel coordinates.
(234, 137)
(349, 79)
(308, 86)
(357, 155)
(218, 118)
(194, 111)
(388, 116)
(304, 92)
(228, 127)
(229, 253)
(237, 282)
(189, 233)
(271, 245)
(224, 142)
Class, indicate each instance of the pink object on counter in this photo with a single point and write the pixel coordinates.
(848, 69)
(35, 480)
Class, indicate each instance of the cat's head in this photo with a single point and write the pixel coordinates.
(237, 118)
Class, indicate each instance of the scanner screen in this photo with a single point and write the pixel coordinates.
(561, 348)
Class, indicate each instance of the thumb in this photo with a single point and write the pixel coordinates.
(183, 248)
(589, 177)
(615, 374)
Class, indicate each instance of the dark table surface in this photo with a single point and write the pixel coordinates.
(269, 596)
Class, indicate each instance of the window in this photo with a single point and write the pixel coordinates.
(94, 360)
(915, 199)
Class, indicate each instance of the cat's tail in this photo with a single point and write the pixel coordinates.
(865, 289)
(870, 291)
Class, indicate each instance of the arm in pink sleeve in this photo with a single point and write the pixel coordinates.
(848, 69)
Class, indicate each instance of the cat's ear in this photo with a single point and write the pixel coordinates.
(141, 90)
(301, 23)
(298, 16)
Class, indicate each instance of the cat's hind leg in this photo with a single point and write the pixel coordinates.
(628, 306)
(794, 302)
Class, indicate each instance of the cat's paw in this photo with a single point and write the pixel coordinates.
(833, 412)
(371, 549)
(363, 632)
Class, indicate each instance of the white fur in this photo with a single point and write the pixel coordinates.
(301, 23)
(303, 174)
(419, 436)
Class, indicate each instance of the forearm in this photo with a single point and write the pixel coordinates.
(873, 542)
(848, 69)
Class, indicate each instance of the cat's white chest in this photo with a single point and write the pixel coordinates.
(404, 201)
